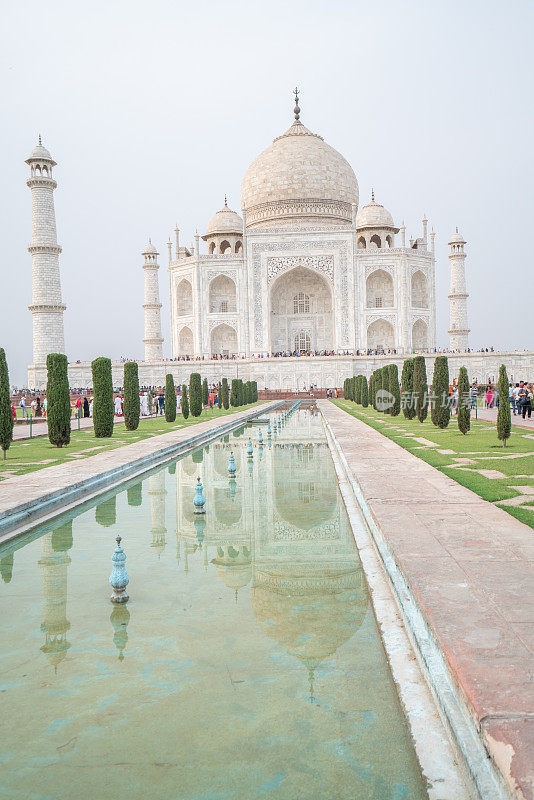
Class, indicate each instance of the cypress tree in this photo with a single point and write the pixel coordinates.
(6, 415)
(247, 397)
(219, 395)
(353, 389)
(365, 392)
(420, 388)
(185, 402)
(371, 389)
(103, 397)
(205, 392)
(195, 394)
(58, 399)
(358, 390)
(394, 389)
(377, 384)
(464, 406)
(225, 398)
(345, 388)
(408, 408)
(504, 421)
(440, 411)
(241, 390)
(132, 404)
(254, 391)
(349, 388)
(234, 393)
(170, 398)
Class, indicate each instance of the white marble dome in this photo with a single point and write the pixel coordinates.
(457, 238)
(374, 215)
(40, 153)
(224, 221)
(299, 177)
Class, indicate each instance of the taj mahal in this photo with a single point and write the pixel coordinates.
(304, 287)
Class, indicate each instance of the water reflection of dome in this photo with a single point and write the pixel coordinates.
(227, 506)
(310, 610)
(234, 566)
(304, 503)
(188, 466)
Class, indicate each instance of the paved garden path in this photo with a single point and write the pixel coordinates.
(470, 567)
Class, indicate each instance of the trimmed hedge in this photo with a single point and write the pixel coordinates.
(102, 397)
(58, 399)
(132, 403)
(464, 402)
(420, 388)
(440, 410)
(184, 402)
(170, 398)
(254, 391)
(225, 396)
(6, 415)
(205, 392)
(219, 395)
(358, 390)
(408, 407)
(234, 393)
(195, 394)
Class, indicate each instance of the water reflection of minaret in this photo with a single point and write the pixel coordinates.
(157, 492)
(54, 563)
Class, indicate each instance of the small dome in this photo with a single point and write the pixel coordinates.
(457, 238)
(224, 221)
(150, 249)
(373, 215)
(40, 153)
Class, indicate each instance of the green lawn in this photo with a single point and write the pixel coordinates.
(480, 447)
(29, 455)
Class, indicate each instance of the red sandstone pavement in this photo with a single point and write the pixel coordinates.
(470, 567)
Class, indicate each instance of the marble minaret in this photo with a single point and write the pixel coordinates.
(47, 305)
(153, 339)
(458, 325)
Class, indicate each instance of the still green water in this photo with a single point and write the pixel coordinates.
(247, 664)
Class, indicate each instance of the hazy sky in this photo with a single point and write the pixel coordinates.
(153, 110)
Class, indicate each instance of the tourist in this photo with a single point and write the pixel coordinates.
(118, 406)
(91, 408)
(526, 406)
(521, 395)
(515, 406)
(161, 404)
(144, 405)
(22, 406)
(85, 407)
(489, 397)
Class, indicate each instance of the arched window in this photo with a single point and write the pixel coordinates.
(302, 342)
(238, 247)
(389, 240)
(45, 170)
(301, 303)
(212, 248)
(376, 240)
(362, 244)
(225, 247)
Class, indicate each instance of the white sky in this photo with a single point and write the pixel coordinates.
(153, 110)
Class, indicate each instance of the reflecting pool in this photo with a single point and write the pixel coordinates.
(247, 664)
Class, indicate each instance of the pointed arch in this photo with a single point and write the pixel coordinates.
(186, 345)
(184, 298)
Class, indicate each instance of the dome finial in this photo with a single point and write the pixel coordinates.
(372, 195)
(40, 142)
(225, 202)
(296, 110)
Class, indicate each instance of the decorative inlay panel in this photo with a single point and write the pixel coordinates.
(324, 264)
(370, 268)
(214, 323)
(391, 318)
